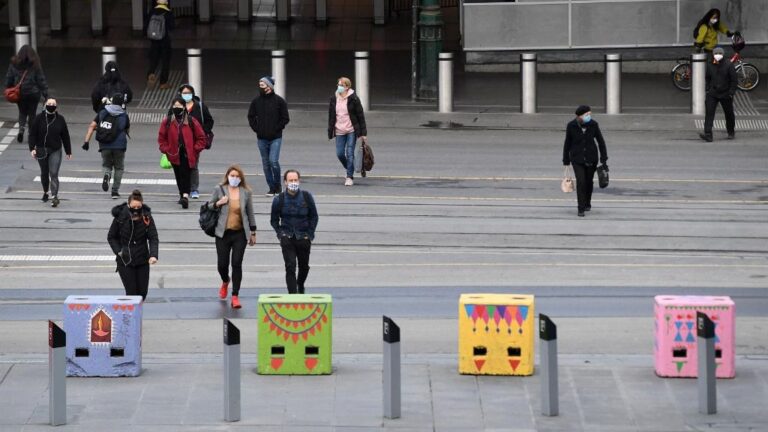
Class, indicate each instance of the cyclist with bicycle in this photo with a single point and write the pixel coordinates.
(705, 32)
(721, 86)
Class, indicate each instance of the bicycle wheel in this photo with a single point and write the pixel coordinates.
(748, 76)
(681, 76)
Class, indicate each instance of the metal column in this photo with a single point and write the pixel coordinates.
(195, 70)
(97, 17)
(705, 345)
(391, 373)
(231, 372)
(380, 11)
(698, 83)
(321, 12)
(445, 82)
(278, 72)
(528, 83)
(14, 14)
(283, 11)
(362, 85)
(613, 83)
(108, 54)
(244, 11)
(33, 23)
(137, 17)
(58, 16)
(57, 375)
(204, 11)
(21, 36)
(550, 392)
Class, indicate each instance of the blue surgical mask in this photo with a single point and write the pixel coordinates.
(234, 181)
(186, 96)
(586, 119)
(293, 187)
(340, 89)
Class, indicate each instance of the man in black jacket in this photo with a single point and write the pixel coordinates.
(721, 86)
(268, 116)
(580, 151)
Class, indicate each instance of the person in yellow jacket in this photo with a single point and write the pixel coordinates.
(705, 32)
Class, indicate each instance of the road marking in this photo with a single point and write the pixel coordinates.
(124, 181)
(154, 98)
(741, 125)
(9, 137)
(56, 257)
(743, 105)
(3, 147)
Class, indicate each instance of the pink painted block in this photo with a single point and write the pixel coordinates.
(674, 347)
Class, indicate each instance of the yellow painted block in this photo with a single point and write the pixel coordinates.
(496, 334)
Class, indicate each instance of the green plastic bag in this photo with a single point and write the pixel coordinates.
(164, 162)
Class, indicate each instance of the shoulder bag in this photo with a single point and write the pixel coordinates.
(13, 94)
(209, 217)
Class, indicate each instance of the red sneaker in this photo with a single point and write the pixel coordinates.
(236, 302)
(223, 290)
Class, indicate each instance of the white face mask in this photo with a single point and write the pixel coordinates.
(234, 181)
(293, 187)
(713, 21)
(718, 57)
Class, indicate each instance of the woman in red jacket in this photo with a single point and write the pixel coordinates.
(181, 139)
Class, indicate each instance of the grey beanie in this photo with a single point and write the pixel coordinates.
(269, 81)
(718, 50)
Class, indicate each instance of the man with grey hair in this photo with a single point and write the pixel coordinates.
(721, 86)
(268, 116)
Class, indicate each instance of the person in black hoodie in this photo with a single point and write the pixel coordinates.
(581, 152)
(721, 86)
(200, 112)
(109, 84)
(48, 133)
(160, 49)
(268, 116)
(25, 68)
(133, 239)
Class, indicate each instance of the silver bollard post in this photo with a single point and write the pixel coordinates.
(705, 345)
(278, 72)
(698, 83)
(195, 70)
(231, 372)
(445, 79)
(391, 373)
(108, 54)
(244, 11)
(550, 392)
(613, 83)
(528, 83)
(21, 36)
(58, 16)
(33, 23)
(97, 17)
(57, 374)
(362, 86)
(137, 16)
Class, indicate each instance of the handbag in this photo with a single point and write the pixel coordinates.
(368, 159)
(566, 185)
(13, 94)
(209, 217)
(602, 176)
(164, 162)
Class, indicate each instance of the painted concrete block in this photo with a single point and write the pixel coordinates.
(496, 334)
(295, 334)
(675, 347)
(103, 335)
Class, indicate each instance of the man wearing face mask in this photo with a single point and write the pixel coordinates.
(48, 133)
(581, 151)
(721, 86)
(112, 127)
(268, 116)
(294, 218)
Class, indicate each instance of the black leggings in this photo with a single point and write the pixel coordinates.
(233, 242)
(135, 279)
(585, 175)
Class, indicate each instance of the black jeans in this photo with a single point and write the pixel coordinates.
(160, 52)
(295, 250)
(233, 242)
(182, 174)
(709, 118)
(585, 176)
(27, 109)
(135, 279)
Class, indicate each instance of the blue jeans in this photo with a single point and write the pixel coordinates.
(345, 151)
(270, 160)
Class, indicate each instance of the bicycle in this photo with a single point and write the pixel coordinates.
(747, 74)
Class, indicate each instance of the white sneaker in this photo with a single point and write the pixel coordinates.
(348, 182)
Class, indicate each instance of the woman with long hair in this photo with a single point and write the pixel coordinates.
(110, 83)
(25, 68)
(706, 30)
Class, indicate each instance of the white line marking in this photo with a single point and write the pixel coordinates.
(7, 140)
(3, 147)
(124, 181)
(56, 257)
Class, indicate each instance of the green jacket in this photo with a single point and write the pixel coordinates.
(707, 35)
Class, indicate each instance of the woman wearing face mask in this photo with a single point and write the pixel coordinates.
(48, 133)
(580, 151)
(234, 198)
(109, 84)
(133, 239)
(200, 112)
(706, 30)
(346, 122)
(181, 139)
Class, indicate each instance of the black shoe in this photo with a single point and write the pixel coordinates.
(179, 201)
(45, 197)
(105, 183)
(588, 208)
(115, 195)
(278, 190)
(184, 202)
(705, 137)
(20, 136)
(271, 192)
(581, 213)
(55, 202)
(731, 136)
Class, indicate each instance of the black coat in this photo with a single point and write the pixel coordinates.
(49, 132)
(721, 79)
(170, 24)
(34, 82)
(133, 242)
(580, 145)
(268, 116)
(201, 114)
(356, 115)
(108, 89)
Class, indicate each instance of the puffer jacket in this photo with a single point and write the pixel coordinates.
(133, 242)
(193, 136)
(34, 82)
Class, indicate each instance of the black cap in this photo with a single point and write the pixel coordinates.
(582, 109)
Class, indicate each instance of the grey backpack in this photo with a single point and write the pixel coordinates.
(156, 27)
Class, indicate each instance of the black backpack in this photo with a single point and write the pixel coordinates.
(107, 129)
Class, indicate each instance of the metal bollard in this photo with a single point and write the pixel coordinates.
(550, 392)
(14, 14)
(58, 16)
(278, 72)
(445, 82)
(231, 372)
(244, 11)
(391, 373)
(33, 23)
(380, 12)
(57, 374)
(21, 34)
(613, 83)
(97, 17)
(528, 83)
(362, 86)
(137, 16)
(204, 11)
(108, 54)
(195, 70)
(705, 345)
(698, 83)
(282, 11)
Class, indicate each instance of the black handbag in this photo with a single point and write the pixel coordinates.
(209, 217)
(602, 176)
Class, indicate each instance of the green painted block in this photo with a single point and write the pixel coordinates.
(295, 334)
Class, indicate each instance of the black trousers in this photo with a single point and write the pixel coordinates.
(295, 250)
(585, 177)
(233, 242)
(183, 175)
(135, 279)
(27, 105)
(711, 107)
(160, 53)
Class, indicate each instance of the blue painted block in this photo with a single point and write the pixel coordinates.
(103, 335)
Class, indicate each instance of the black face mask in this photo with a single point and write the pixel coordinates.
(50, 109)
(263, 90)
(178, 112)
(135, 212)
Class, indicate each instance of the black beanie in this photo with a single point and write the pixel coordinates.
(582, 109)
